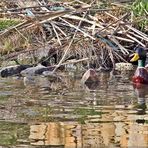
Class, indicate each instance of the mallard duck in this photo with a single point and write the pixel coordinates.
(141, 73)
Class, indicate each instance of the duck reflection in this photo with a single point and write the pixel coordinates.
(141, 93)
(91, 86)
(102, 83)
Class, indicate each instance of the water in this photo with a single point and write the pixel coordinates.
(67, 114)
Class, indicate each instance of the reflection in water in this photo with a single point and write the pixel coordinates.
(141, 93)
(72, 116)
(56, 134)
(75, 135)
(71, 134)
(47, 134)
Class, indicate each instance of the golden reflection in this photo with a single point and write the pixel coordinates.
(75, 135)
(47, 134)
(123, 127)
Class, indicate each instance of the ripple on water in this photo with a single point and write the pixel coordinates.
(70, 114)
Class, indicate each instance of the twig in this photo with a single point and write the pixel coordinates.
(74, 61)
(136, 40)
(59, 29)
(21, 34)
(125, 15)
(82, 19)
(145, 37)
(68, 48)
(85, 34)
(123, 39)
(56, 33)
(124, 50)
(17, 9)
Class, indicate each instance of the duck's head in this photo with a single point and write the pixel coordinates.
(140, 54)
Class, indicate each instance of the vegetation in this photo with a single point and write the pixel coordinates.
(10, 132)
(85, 113)
(140, 12)
(6, 23)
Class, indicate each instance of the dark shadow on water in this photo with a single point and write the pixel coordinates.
(92, 85)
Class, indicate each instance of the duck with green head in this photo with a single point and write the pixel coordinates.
(141, 73)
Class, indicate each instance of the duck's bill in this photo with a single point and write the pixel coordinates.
(135, 58)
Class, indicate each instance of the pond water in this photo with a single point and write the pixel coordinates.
(67, 114)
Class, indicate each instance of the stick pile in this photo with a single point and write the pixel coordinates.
(102, 35)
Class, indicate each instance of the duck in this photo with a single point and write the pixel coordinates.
(141, 74)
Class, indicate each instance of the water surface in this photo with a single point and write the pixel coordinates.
(68, 114)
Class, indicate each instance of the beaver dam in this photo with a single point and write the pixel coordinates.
(49, 51)
(96, 34)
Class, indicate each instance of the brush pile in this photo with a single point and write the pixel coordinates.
(99, 33)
